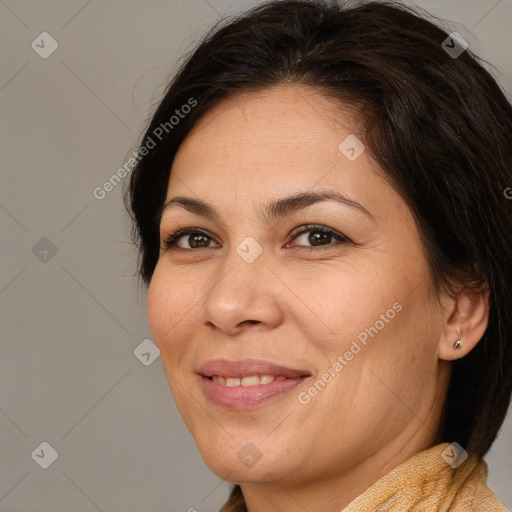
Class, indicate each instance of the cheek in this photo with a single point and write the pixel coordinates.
(350, 306)
(166, 310)
(398, 367)
(378, 328)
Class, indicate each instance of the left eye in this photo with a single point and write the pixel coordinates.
(318, 236)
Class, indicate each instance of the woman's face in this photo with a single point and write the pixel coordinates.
(355, 318)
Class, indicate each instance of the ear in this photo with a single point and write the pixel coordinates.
(466, 319)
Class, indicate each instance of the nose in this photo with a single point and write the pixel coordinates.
(246, 294)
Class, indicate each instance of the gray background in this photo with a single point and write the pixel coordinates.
(70, 321)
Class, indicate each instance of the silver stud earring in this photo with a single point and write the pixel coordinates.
(457, 345)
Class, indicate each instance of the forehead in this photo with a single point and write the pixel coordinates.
(280, 130)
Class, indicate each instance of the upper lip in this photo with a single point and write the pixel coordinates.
(245, 367)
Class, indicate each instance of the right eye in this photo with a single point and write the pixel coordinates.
(197, 239)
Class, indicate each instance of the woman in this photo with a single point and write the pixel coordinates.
(321, 210)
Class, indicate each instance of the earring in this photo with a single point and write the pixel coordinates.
(457, 345)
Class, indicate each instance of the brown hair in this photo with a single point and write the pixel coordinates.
(236, 502)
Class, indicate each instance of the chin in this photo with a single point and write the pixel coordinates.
(243, 463)
(236, 475)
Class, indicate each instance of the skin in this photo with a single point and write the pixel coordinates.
(302, 308)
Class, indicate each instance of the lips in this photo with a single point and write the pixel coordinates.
(247, 367)
(239, 397)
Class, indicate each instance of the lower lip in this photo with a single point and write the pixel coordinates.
(247, 397)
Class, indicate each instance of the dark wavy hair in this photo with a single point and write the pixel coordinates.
(439, 126)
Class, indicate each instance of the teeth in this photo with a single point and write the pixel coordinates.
(252, 380)
(249, 380)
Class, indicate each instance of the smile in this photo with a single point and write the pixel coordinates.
(250, 380)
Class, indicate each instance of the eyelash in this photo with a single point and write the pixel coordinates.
(170, 241)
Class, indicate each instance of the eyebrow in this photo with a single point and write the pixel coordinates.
(274, 209)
